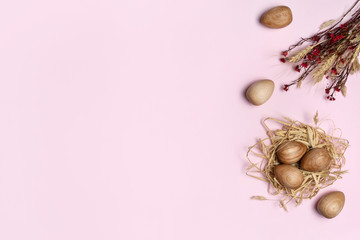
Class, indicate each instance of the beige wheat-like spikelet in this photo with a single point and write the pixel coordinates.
(327, 24)
(300, 55)
(299, 83)
(355, 67)
(356, 39)
(344, 90)
(319, 73)
(259, 198)
(318, 79)
(356, 53)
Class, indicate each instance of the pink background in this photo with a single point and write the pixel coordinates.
(125, 119)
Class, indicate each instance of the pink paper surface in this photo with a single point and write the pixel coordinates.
(126, 120)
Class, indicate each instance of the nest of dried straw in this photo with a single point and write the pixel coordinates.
(313, 137)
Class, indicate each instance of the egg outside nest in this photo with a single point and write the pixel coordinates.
(277, 17)
(331, 204)
(260, 91)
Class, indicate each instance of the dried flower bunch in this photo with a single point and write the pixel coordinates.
(313, 137)
(332, 53)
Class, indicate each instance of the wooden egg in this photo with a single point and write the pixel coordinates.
(289, 176)
(331, 204)
(315, 160)
(260, 91)
(290, 152)
(277, 17)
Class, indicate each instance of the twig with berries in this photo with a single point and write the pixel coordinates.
(331, 53)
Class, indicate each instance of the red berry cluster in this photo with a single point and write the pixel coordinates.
(331, 53)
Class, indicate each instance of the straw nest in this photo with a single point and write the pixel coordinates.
(313, 137)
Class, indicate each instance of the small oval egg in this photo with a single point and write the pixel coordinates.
(290, 152)
(277, 17)
(289, 176)
(315, 160)
(331, 204)
(260, 91)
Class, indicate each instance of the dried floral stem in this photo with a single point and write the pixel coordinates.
(332, 54)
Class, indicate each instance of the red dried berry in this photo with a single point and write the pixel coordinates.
(304, 64)
(316, 52)
(286, 87)
(282, 60)
(331, 98)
